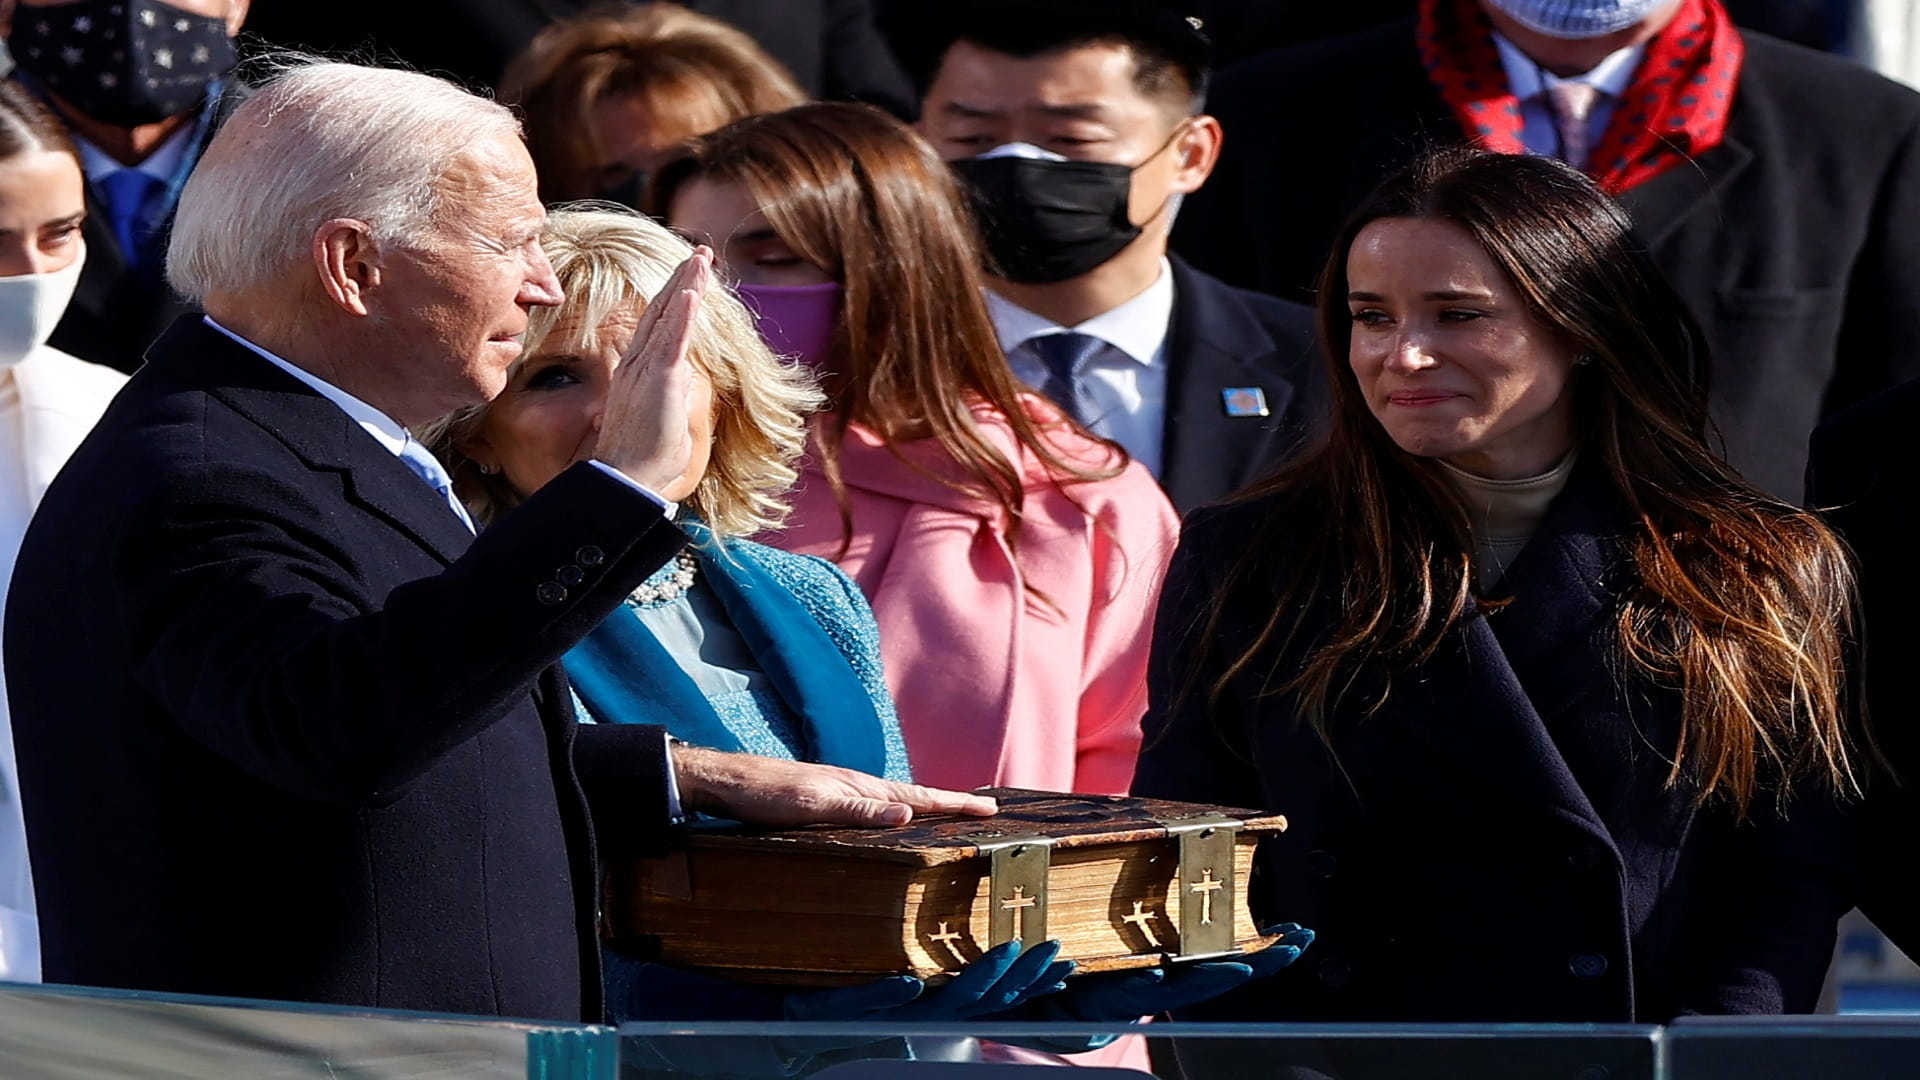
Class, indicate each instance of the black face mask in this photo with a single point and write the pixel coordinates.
(1047, 221)
(122, 62)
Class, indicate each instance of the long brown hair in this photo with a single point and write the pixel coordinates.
(694, 72)
(1742, 600)
(856, 193)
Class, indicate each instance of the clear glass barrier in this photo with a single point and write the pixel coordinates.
(1794, 1048)
(77, 1033)
(66, 1033)
(737, 1051)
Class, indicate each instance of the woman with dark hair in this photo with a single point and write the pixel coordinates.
(1525, 663)
(48, 403)
(1010, 557)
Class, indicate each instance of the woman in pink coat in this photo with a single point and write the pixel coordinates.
(1011, 558)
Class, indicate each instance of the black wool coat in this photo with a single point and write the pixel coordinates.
(1796, 241)
(1862, 477)
(1498, 841)
(287, 730)
(1220, 338)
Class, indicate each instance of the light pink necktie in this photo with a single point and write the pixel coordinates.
(1572, 104)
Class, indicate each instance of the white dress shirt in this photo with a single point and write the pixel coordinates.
(1539, 132)
(1123, 387)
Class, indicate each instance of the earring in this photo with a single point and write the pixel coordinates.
(1583, 359)
(486, 469)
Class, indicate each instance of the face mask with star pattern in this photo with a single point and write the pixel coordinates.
(122, 62)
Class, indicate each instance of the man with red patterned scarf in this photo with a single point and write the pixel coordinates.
(1779, 188)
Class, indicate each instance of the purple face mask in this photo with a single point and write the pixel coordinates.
(796, 320)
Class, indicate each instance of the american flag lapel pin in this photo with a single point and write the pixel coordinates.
(1244, 401)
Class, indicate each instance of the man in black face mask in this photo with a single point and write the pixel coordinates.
(1075, 126)
(139, 85)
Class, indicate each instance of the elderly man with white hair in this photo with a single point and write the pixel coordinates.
(286, 728)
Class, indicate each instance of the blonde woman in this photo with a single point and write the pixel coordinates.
(733, 645)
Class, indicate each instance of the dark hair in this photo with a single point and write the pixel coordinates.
(1171, 55)
(26, 124)
(856, 193)
(1742, 599)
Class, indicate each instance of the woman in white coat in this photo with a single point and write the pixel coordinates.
(48, 403)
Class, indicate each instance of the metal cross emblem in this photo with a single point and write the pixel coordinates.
(948, 937)
(1018, 903)
(1141, 919)
(1206, 887)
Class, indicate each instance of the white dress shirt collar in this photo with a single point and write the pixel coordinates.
(1137, 327)
(1527, 79)
(385, 430)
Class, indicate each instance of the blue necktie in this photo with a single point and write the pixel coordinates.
(1064, 355)
(428, 468)
(127, 193)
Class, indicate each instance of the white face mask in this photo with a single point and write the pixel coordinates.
(30, 305)
(1577, 19)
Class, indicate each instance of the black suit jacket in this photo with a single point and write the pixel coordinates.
(1221, 338)
(287, 730)
(1497, 842)
(1796, 241)
(1862, 476)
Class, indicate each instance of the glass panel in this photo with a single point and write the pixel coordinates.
(1794, 1048)
(70, 1033)
(1169, 1051)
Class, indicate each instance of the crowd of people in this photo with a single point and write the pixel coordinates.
(807, 413)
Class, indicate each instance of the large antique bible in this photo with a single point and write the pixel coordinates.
(1120, 882)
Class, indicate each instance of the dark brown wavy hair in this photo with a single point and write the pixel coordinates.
(1742, 600)
(856, 193)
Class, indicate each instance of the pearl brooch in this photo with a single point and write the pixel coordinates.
(676, 584)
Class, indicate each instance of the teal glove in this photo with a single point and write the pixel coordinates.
(1003, 978)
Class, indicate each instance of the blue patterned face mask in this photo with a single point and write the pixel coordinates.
(122, 62)
(1577, 19)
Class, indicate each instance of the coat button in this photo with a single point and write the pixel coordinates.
(1334, 973)
(1587, 965)
(570, 575)
(1324, 862)
(550, 592)
(589, 556)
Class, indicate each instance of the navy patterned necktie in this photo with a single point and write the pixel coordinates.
(1064, 355)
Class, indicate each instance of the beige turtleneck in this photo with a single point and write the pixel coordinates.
(1504, 514)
